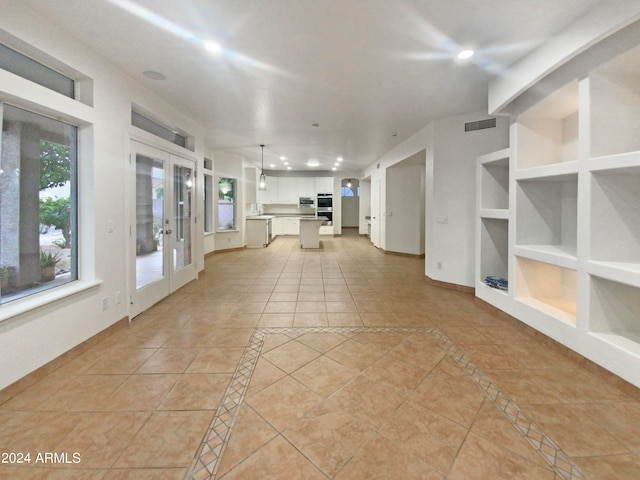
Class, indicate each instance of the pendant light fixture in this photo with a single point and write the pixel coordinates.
(349, 183)
(263, 178)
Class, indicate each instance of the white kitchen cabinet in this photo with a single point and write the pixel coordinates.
(307, 187)
(278, 226)
(291, 226)
(287, 190)
(270, 195)
(324, 185)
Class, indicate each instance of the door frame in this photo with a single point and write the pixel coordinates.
(140, 300)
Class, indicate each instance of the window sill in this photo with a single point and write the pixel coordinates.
(227, 231)
(32, 302)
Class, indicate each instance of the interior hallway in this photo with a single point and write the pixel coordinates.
(338, 363)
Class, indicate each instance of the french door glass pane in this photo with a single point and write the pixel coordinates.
(149, 220)
(182, 241)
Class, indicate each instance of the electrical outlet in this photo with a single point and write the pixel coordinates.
(105, 303)
(118, 298)
(439, 265)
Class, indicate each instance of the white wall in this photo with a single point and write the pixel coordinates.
(454, 170)
(31, 339)
(365, 205)
(450, 190)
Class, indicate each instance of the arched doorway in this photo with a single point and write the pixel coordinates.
(350, 209)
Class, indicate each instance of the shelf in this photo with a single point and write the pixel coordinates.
(615, 215)
(494, 248)
(547, 133)
(546, 213)
(547, 287)
(501, 214)
(623, 272)
(614, 162)
(556, 171)
(615, 105)
(614, 310)
(553, 254)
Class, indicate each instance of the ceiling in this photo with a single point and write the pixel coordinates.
(310, 79)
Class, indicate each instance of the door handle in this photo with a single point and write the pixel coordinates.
(168, 232)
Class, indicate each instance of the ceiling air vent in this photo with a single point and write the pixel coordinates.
(480, 125)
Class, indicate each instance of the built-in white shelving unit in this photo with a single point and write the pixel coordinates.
(492, 249)
(558, 213)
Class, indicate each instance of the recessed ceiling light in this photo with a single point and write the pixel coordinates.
(288, 168)
(286, 163)
(464, 54)
(213, 47)
(272, 166)
(283, 158)
(153, 75)
(334, 169)
(313, 163)
(339, 159)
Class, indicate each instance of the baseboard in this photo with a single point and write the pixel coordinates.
(402, 254)
(226, 250)
(450, 286)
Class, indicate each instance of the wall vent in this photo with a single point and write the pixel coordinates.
(480, 125)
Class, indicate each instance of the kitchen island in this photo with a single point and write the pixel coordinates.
(310, 231)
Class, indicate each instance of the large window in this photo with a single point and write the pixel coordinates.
(38, 226)
(226, 204)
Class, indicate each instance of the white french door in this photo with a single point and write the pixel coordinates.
(161, 226)
(375, 213)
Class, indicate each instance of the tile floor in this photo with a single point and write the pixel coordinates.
(340, 363)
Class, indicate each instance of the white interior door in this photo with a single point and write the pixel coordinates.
(375, 213)
(161, 225)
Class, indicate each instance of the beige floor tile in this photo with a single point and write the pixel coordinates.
(324, 375)
(573, 428)
(168, 439)
(321, 342)
(317, 319)
(169, 360)
(196, 391)
(355, 354)
(624, 466)
(277, 459)
(140, 393)
(380, 458)
(284, 402)
(216, 360)
(276, 320)
(344, 319)
(425, 434)
(147, 474)
(250, 433)
(99, 438)
(291, 355)
(402, 377)
(328, 438)
(366, 400)
(480, 459)
(85, 393)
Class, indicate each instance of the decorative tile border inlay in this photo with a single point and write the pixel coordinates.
(208, 457)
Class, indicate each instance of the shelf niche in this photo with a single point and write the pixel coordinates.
(615, 105)
(495, 185)
(547, 213)
(615, 309)
(615, 216)
(548, 132)
(547, 287)
(494, 245)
